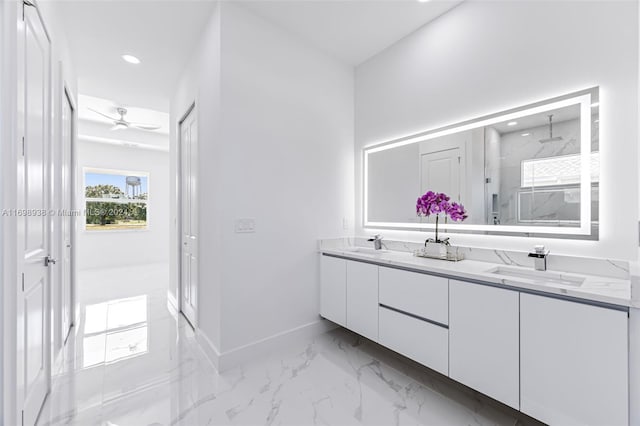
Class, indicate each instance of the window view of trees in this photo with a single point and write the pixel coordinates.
(115, 201)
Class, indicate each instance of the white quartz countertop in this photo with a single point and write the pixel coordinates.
(607, 290)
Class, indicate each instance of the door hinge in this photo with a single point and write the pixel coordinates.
(23, 146)
(23, 282)
(22, 417)
(458, 160)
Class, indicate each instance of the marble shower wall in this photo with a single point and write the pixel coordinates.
(514, 149)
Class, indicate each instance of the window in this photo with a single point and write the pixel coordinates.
(115, 200)
(553, 171)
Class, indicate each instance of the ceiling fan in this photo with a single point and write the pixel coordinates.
(121, 123)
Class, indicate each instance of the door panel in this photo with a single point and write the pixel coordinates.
(574, 362)
(362, 299)
(333, 289)
(440, 172)
(484, 334)
(34, 332)
(33, 243)
(189, 219)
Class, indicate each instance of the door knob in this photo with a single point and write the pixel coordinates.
(49, 260)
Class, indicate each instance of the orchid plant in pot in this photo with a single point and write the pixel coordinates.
(437, 203)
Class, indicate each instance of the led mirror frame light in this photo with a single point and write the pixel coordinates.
(582, 98)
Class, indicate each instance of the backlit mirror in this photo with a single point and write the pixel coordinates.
(532, 170)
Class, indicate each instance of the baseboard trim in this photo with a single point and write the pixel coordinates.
(268, 345)
(227, 360)
(210, 350)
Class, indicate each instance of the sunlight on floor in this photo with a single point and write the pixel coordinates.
(115, 330)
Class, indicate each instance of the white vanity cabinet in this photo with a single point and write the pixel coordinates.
(414, 316)
(484, 340)
(362, 299)
(333, 289)
(574, 362)
(562, 361)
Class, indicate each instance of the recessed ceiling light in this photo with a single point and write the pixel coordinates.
(595, 104)
(512, 123)
(131, 59)
(526, 134)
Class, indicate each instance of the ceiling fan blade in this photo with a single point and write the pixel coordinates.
(104, 115)
(144, 126)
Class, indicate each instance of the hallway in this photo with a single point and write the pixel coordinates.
(131, 361)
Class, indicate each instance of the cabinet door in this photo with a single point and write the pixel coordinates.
(362, 299)
(574, 366)
(333, 289)
(483, 340)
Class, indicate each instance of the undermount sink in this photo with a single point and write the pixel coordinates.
(368, 250)
(539, 277)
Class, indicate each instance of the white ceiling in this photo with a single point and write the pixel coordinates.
(351, 30)
(529, 122)
(96, 128)
(161, 33)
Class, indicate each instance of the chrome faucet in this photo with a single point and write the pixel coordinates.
(377, 241)
(539, 255)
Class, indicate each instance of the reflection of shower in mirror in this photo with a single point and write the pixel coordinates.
(551, 138)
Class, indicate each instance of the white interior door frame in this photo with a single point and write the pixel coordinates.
(191, 317)
(63, 238)
(9, 20)
(73, 202)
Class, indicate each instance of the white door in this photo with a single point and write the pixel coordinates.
(66, 225)
(189, 219)
(440, 172)
(33, 225)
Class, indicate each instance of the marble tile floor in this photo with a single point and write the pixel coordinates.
(131, 361)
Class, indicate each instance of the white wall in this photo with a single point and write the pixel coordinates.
(278, 148)
(104, 249)
(288, 150)
(486, 56)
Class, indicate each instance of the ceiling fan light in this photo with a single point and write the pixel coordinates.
(119, 126)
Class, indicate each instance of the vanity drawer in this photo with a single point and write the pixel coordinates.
(422, 295)
(419, 340)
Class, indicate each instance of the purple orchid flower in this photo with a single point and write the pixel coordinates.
(456, 212)
(436, 203)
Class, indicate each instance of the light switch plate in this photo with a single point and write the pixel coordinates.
(245, 225)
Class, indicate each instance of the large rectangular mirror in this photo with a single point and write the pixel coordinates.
(532, 170)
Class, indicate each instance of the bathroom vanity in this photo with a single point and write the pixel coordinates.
(556, 349)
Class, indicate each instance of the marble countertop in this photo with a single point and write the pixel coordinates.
(607, 290)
